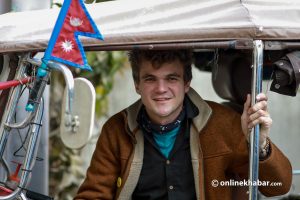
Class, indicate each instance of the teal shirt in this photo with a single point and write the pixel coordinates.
(166, 141)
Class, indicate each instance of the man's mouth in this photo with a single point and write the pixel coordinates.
(161, 99)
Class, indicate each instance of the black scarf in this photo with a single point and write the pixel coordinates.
(145, 122)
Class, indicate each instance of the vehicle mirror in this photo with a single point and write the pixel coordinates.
(83, 108)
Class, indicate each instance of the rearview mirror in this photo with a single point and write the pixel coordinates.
(83, 112)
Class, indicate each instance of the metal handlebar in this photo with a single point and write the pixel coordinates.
(67, 76)
(70, 119)
(69, 82)
(33, 118)
(11, 107)
(7, 117)
(39, 88)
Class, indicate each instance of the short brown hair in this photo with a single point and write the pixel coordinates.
(159, 57)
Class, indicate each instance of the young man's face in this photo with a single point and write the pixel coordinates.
(162, 90)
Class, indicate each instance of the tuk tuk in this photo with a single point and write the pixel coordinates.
(257, 33)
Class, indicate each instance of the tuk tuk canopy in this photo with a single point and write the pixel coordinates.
(126, 24)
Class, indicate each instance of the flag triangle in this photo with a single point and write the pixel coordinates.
(64, 45)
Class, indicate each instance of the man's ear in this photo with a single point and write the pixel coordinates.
(137, 89)
(187, 86)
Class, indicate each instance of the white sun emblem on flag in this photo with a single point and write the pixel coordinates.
(67, 46)
(75, 21)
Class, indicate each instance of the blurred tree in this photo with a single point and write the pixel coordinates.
(66, 173)
(106, 64)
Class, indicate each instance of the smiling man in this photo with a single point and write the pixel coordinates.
(162, 90)
(171, 144)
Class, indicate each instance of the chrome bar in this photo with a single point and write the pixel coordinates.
(69, 117)
(33, 141)
(296, 172)
(67, 76)
(71, 121)
(70, 94)
(34, 61)
(32, 147)
(69, 82)
(22, 196)
(11, 196)
(30, 116)
(11, 106)
(8, 117)
(22, 124)
(254, 135)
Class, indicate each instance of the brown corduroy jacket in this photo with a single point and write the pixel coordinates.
(219, 152)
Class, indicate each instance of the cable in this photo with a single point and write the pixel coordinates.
(23, 142)
(43, 106)
(19, 133)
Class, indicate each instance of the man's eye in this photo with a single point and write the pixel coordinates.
(149, 79)
(173, 78)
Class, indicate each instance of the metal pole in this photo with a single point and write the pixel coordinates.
(254, 135)
(32, 146)
(296, 172)
(11, 107)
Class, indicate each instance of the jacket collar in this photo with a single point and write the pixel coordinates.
(199, 121)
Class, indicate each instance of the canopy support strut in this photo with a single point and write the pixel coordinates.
(254, 135)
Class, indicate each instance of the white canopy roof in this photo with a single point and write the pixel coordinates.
(126, 23)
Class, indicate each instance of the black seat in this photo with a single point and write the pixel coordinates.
(231, 78)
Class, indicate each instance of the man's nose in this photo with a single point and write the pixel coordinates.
(161, 86)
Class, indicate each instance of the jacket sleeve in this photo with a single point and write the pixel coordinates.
(276, 169)
(100, 181)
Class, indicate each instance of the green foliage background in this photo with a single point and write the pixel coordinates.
(66, 172)
(65, 165)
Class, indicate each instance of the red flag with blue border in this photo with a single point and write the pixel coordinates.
(64, 45)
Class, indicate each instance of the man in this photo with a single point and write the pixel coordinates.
(171, 144)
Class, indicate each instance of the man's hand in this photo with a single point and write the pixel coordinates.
(257, 114)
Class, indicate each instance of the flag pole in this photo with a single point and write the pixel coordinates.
(254, 135)
(64, 45)
(42, 70)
